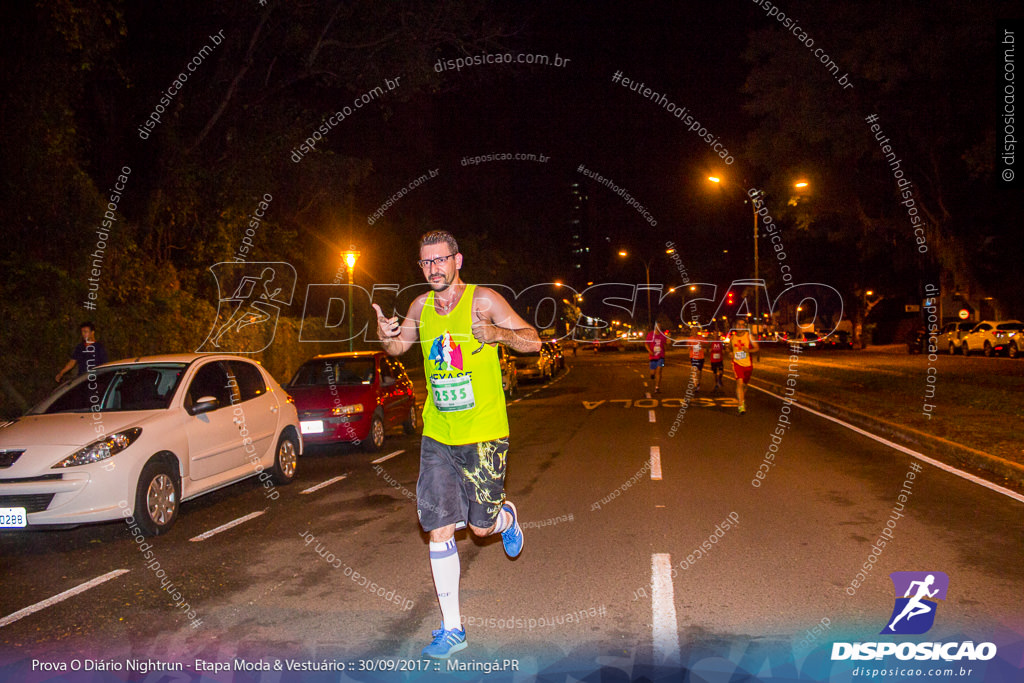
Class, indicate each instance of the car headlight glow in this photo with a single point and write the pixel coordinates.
(102, 449)
(353, 409)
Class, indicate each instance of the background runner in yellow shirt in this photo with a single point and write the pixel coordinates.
(742, 345)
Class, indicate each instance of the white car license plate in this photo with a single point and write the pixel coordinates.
(312, 427)
(13, 518)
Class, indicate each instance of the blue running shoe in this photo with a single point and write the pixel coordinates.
(512, 538)
(445, 643)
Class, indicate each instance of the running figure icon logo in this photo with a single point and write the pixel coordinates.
(916, 595)
(250, 296)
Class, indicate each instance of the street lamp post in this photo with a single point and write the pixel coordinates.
(350, 258)
(647, 272)
(757, 262)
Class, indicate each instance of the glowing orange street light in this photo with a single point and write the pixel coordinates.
(350, 257)
(757, 300)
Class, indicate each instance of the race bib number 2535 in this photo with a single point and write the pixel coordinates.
(453, 393)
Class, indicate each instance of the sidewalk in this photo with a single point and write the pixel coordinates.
(976, 423)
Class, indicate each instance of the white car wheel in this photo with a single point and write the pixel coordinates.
(157, 498)
(283, 471)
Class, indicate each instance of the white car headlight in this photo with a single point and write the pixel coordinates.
(353, 409)
(102, 449)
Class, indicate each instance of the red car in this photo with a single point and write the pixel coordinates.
(353, 398)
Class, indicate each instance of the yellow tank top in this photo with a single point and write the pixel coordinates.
(465, 403)
(741, 349)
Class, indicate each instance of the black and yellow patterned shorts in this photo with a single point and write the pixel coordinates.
(460, 483)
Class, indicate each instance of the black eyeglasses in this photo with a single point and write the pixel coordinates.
(439, 261)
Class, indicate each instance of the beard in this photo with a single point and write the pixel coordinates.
(440, 285)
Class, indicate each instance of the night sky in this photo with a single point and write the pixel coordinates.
(226, 138)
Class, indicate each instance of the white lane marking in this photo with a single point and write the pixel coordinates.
(562, 376)
(322, 484)
(903, 449)
(650, 416)
(14, 616)
(386, 457)
(663, 609)
(656, 463)
(224, 527)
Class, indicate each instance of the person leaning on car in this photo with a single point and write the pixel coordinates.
(88, 354)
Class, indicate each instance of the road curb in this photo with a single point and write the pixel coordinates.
(949, 452)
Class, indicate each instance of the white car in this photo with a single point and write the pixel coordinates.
(138, 437)
(1010, 338)
(984, 337)
(952, 334)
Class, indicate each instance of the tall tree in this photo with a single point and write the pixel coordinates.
(921, 70)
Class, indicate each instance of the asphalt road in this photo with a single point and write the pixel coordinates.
(594, 585)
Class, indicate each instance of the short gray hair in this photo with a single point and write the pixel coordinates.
(438, 236)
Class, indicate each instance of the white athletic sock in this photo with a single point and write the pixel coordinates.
(444, 564)
(503, 522)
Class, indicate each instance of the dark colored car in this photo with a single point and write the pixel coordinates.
(353, 398)
(917, 341)
(555, 349)
(838, 340)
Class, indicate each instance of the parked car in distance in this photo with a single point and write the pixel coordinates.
(811, 340)
(353, 397)
(136, 438)
(532, 365)
(952, 334)
(983, 337)
(917, 342)
(555, 349)
(838, 340)
(1010, 338)
(609, 344)
(509, 373)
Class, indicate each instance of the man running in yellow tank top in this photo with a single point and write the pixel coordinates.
(465, 426)
(742, 345)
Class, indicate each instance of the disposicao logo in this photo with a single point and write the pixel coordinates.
(914, 614)
(916, 594)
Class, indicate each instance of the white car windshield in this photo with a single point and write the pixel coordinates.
(121, 388)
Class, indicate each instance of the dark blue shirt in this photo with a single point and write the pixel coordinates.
(93, 355)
